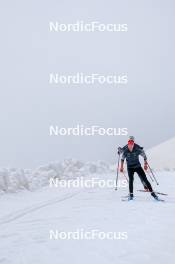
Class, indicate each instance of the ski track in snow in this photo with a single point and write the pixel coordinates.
(26, 219)
(18, 214)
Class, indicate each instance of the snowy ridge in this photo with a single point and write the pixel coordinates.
(13, 179)
(161, 157)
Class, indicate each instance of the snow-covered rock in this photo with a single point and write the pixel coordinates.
(12, 179)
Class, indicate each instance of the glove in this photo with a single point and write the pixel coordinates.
(145, 165)
(121, 169)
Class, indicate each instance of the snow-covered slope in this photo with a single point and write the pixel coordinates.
(162, 156)
(26, 219)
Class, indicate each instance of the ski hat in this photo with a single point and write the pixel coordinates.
(131, 140)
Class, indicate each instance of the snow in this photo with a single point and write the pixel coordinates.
(162, 156)
(27, 217)
(14, 179)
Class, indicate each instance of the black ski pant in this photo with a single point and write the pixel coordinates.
(142, 177)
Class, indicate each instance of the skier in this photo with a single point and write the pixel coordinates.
(131, 153)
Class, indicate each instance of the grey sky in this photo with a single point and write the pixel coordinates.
(29, 53)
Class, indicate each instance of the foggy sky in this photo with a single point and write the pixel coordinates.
(29, 105)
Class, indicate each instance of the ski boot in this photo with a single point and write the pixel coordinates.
(130, 197)
(155, 196)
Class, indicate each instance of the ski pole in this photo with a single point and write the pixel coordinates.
(153, 174)
(117, 170)
(150, 176)
(125, 176)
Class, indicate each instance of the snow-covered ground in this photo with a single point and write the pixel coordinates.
(162, 156)
(27, 217)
